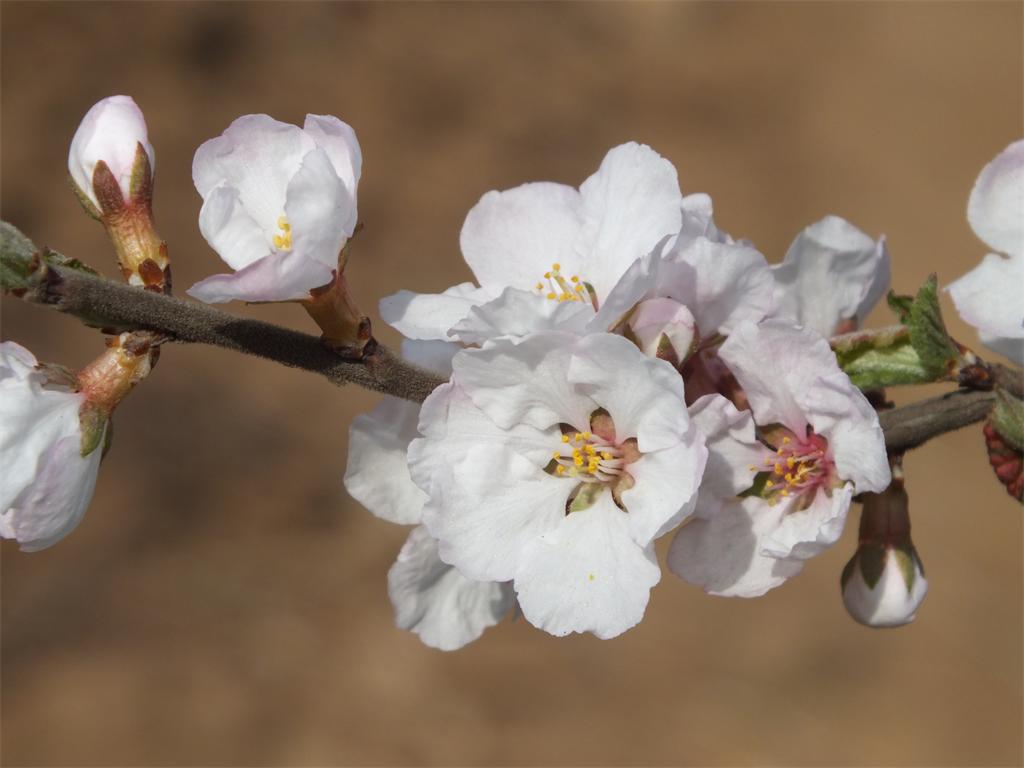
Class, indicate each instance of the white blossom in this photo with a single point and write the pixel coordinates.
(554, 463)
(111, 132)
(894, 596)
(991, 296)
(279, 202)
(46, 483)
(778, 495)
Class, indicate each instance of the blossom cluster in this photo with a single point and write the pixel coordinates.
(620, 370)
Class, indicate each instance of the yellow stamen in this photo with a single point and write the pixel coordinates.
(565, 438)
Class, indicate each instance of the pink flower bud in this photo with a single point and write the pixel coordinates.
(663, 328)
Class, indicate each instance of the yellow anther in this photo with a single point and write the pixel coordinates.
(590, 449)
(579, 289)
(789, 477)
(784, 492)
(778, 469)
(608, 457)
(565, 438)
(282, 223)
(587, 435)
(575, 279)
(786, 441)
(552, 296)
(577, 460)
(790, 462)
(556, 455)
(547, 275)
(752, 468)
(576, 453)
(540, 286)
(556, 266)
(559, 470)
(577, 437)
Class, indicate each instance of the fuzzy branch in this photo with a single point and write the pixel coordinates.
(115, 308)
(912, 425)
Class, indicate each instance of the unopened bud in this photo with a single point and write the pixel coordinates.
(663, 328)
(111, 164)
(884, 584)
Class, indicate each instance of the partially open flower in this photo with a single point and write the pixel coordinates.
(883, 584)
(991, 296)
(279, 202)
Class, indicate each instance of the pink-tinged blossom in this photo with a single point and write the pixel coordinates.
(554, 463)
(279, 203)
(991, 296)
(780, 476)
(832, 276)
(46, 483)
(110, 132)
(430, 598)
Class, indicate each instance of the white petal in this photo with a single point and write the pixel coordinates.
(258, 156)
(429, 316)
(435, 601)
(722, 552)
(341, 145)
(111, 131)
(230, 230)
(1007, 347)
(890, 603)
(732, 448)
(639, 281)
(53, 505)
(802, 534)
(525, 382)
(629, 205)
(832, 272)
(377, 474)
(432, 355)
(319, 208)
(773, 362)
(282, 276)
(644, 396)
(511, 238)
(665, 491)
(517, 313)
(586, 574)
(698, 220)
(996, 207)
(991, 298)
(722, 284)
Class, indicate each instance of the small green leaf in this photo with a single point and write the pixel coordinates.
(56, 259)
(1008, 418)
(900, 305)
(928, 333)
(880, 358)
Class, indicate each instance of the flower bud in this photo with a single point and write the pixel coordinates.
(54, 430)
(111, 164)
(883, 584)
(663, 328)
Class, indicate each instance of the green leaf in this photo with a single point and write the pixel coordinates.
(938, 353)
(880, 358)
(1008, 418)
(900, 305)
(56, 259)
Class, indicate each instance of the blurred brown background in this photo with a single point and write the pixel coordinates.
(224, 603)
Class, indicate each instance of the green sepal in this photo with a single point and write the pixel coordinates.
(906, 559)
(584, 497)
(871, 559)
(140, 185)
(1008, 418)
(87, 203)
(928, 332)
(93, 421)
(880, 358)
(758, 487)
(848, 569)
(900, 304)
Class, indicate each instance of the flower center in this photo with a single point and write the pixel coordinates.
(589, 458)
(798, 466)
(559, 288)
(283, 241)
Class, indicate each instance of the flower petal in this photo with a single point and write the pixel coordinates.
(377, 474)
(511, 238)
(802, 534)
(318, 207)
(436, 602)
(230, 230)
(282, 276)
(832, 272)
(111, 131)
(257, 155)
(732, 448)
(722, 552)
(991, 298)
(997, 200)
(586, 574)
(517, 313)
(722, 284)
(629, 205)
(339, 141)
(429, 316)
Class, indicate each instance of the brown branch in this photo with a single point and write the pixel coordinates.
(115, 308)
(912, 425)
